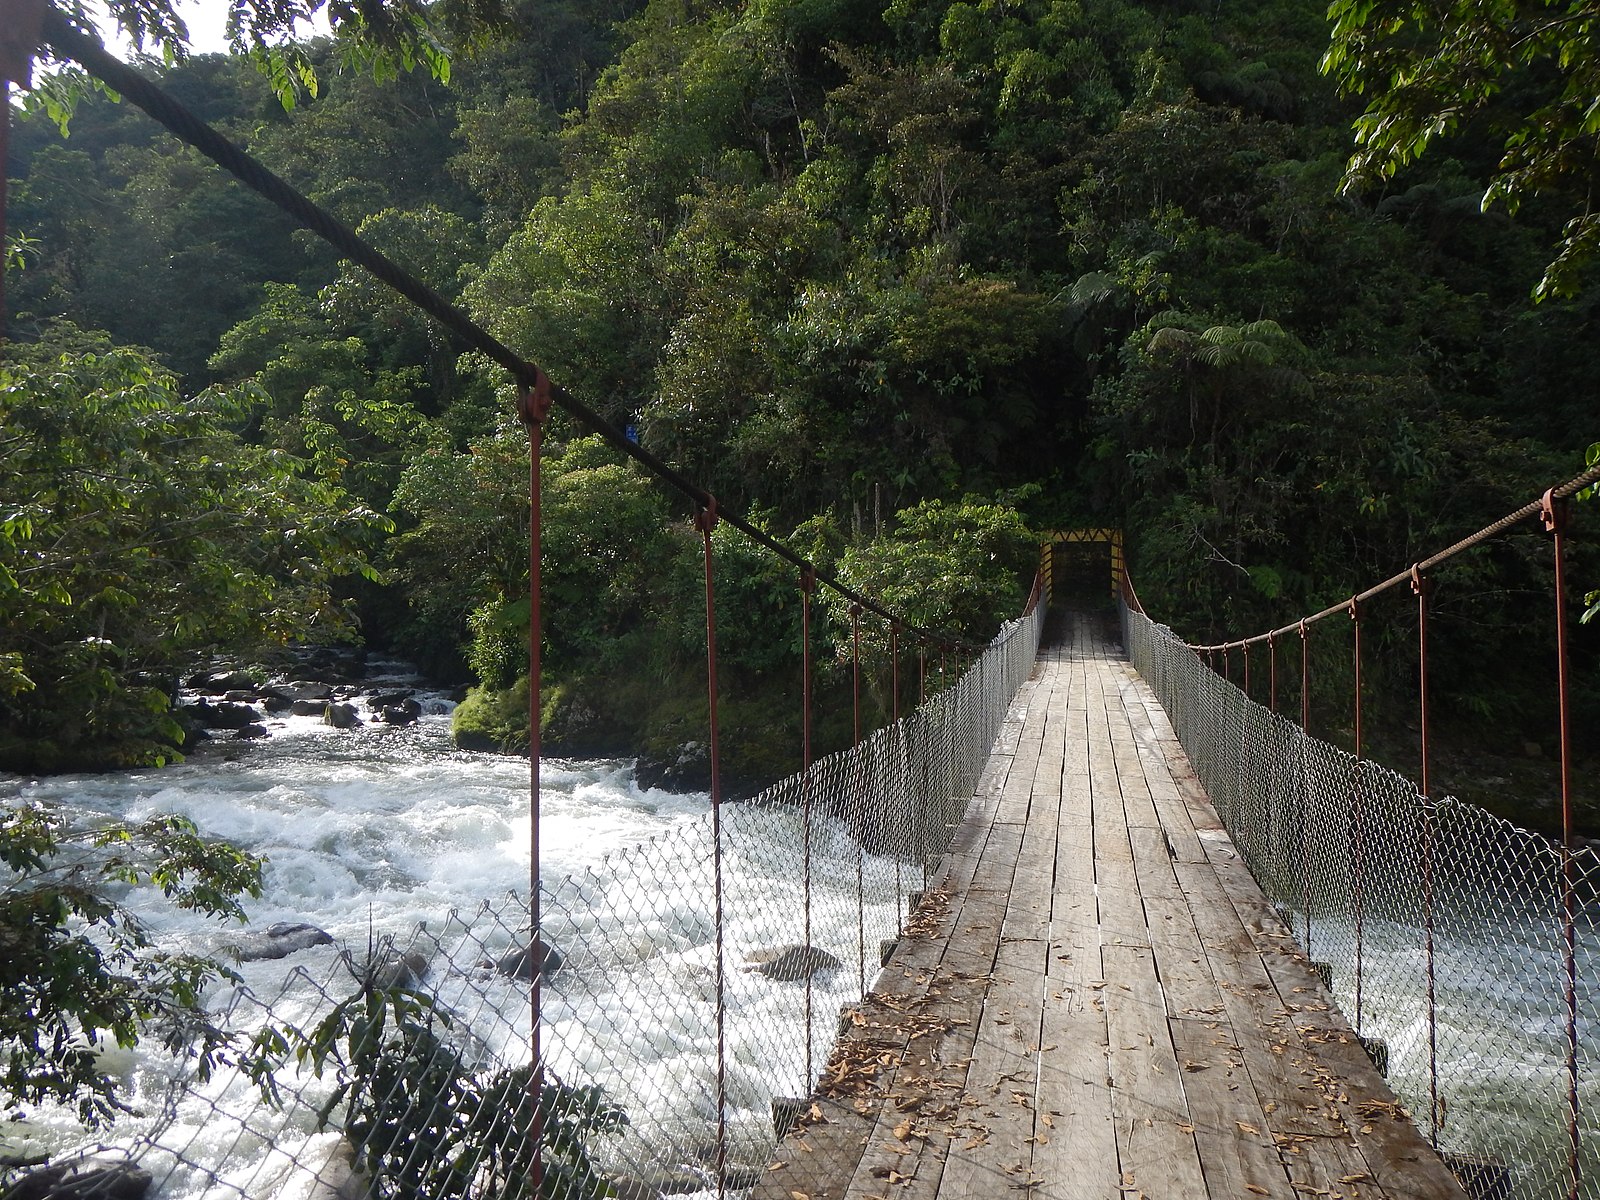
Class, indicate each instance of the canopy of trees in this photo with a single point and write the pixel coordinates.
(857, 266)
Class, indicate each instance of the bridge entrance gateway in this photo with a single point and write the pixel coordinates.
(1095, 999)
(1081, 568)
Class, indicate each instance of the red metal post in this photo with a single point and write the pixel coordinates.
(861, 851)
(705, 521)
(1272, 671)
(533, 407)
(1305, 679)
(1421, 587)
(1359, 836)
(808, 585)
(1554, 514)
(1305, 791)
(894, 711)
(894, 670)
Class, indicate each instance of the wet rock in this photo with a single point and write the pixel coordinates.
(104, 1176)
(280, 940)
(341, 716)
(404, 713)
(686, 769)
(519, 963)
(382, 700)
(400, 970)
(218, 683)
(276, 704)
(219, 716)
(788, 964)
(304, 689)
(308, 708)
(250, 731)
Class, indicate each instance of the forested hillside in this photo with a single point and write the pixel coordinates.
(903, 279)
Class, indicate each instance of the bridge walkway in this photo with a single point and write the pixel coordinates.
(1096, 1002)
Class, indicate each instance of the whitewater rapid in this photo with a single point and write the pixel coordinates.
(384, 833)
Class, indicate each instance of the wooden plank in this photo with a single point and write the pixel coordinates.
(1156, 1147)
(1075, 1151)
(1237, 1151)
(998, 1104)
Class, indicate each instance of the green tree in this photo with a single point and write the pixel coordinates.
(961, 568)
(77, 968)
(1521, 78)
(137, 531)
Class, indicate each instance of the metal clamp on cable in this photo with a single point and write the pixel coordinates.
(534, 403)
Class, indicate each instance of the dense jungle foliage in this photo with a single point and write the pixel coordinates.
(903, 278)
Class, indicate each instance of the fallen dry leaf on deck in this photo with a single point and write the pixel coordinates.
(1246, 1127)
(903, 1130)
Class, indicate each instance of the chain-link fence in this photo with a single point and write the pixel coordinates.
(1462, 948)
(402, 1070)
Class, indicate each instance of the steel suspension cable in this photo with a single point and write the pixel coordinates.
(1534, 508)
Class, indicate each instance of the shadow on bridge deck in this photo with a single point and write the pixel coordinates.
(1096, 1002)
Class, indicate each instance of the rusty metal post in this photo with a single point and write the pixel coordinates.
(894, 669)
(808, 585)
(1554, 513)
(533, 408)
(1305, 790)
(1272, 671)
(1358, 850)
(706, 521)
(1227, 664)
(1247, 670)
(861, 827)
(1421, 586)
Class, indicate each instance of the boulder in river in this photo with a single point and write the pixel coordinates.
(341, 716)
(404, 713)
(102, 1176)
(217, 683)
(254, 730)
(788, 964)
(519, 963)
(280, 940)
(391, 969)
(300, 689)
(220, 716)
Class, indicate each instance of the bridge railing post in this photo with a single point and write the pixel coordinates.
(1554, 514)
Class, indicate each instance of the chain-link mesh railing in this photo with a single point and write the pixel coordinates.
(1443, 929)
(402, 1070)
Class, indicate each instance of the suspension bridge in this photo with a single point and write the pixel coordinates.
(1143, 936)
(1096, 1000)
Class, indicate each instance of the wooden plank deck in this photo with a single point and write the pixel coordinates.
(1096, 1002)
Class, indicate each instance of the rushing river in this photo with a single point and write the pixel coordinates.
(386, 832)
